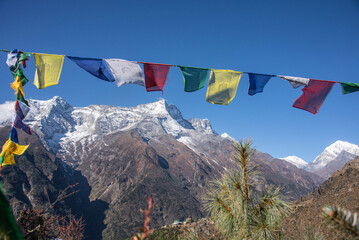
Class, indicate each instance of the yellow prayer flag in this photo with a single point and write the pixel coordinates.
(17, 85)
(9, 149)
(8, 159)
(222, 86)
(48, 69)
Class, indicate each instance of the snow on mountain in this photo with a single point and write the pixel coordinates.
(226, 136)
(296, 161)
(332, 152)
(202, 125)
(333, 158)
(60, 125)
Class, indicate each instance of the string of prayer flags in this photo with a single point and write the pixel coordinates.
(194, 78)
(348, 87)
(11, 146)
(257, 82)
(296, 82)
(222, 86)
(125, 72)
(155, 76)
(313, 95)
(48, 69)
(96, 67)
(8, 150)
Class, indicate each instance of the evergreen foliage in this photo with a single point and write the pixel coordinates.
(343, 220)
(239, 212)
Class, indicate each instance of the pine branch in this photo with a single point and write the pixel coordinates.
(342, 218)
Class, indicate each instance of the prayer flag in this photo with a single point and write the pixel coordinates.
(13, 135)
(21, 109)
(155, 76)
(8, 150)
(20, 73)
(348, 87)
(23, 57)
(21, 98)
(13, 61)
(194, 78)
(17, 86)
(17, 122)
(257, 82)
(48, 69)
(222, 86)
(125, 72)
(313, 95)
(97, 67)
(296, 82)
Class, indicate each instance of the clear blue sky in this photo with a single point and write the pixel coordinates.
(315, 39)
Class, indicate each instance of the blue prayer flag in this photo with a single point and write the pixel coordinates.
(13, 135)
(97, 67)
(257, 82)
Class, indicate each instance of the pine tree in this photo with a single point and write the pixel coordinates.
(239, 212)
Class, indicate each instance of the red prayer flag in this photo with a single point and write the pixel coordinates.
(313, 95)
(155, 76)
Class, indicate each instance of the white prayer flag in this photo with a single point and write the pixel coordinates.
(125, 72)
(296, 82)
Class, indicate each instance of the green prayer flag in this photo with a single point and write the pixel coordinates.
(21, 98)
(348, 87)
(19, 72)
(194, 78)
(8, 226)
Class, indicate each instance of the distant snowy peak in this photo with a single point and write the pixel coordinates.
(226, 136)
(331, 152)
(296, 161)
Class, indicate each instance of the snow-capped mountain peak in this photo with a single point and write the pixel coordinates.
(332, 151)
(296, 161)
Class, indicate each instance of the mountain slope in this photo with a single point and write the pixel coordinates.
(340, 189)
(38, 177)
